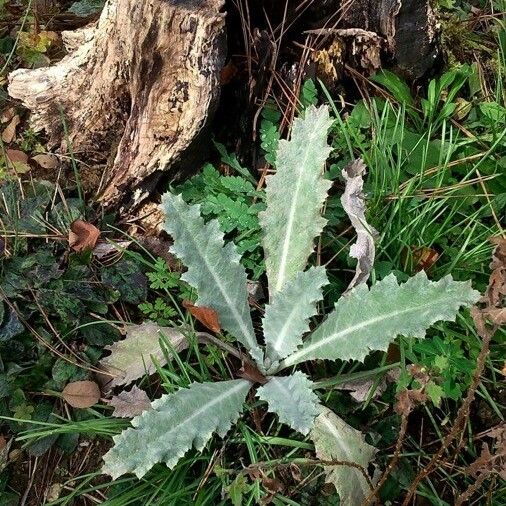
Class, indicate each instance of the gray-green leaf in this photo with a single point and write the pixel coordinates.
(286, 317)
(294, 197)
(369, 319)
(213, 269)
(177, 422)
(334, 439)
(292, 399)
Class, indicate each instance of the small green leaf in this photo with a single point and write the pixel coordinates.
(435, 392)
(237, 489)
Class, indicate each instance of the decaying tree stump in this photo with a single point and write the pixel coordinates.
(139, 86)
(140, 83)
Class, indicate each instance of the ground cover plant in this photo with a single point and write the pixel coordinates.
(362, 321)
(105, 328)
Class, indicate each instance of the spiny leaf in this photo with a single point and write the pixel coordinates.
(367, 320)
(292, 399)
(286, 317)
(334, 439)
(294, 196)
(177, 422)
(213, 269)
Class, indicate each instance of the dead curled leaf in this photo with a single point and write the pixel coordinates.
(128, 404)
(251, 373)
(353, 202)
(407, 400)
(81, 394)
(205, 315)
(359, 388)
(83, 235)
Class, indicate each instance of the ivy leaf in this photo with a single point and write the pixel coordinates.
(10, 326)
(126, 277)
(175, 423)
(292, 399)
(334, 439)
(85, 8)
(294, 196)
(369, 319)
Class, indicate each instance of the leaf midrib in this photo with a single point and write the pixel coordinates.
(291, 217)
(244, 328)
(295, 358)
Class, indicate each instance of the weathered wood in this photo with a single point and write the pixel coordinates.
(140, 83)
(408, 28)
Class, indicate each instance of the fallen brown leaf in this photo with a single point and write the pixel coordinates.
(228, 72)
(424, 258)
(81, 394)
(496, 316)
(205, 315)
(4, 452)
(9, 132)
(407, 400)
(128, 404)
(46, 160)
(104, 250)
(496, 290)
(83, 235)
(7, 114)
(15, 155)
(18, 160)
(137, 354)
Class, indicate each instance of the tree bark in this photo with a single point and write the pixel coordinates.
(141, 83)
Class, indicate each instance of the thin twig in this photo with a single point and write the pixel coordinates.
(463, 412)
(393, 462)
(310, 462)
